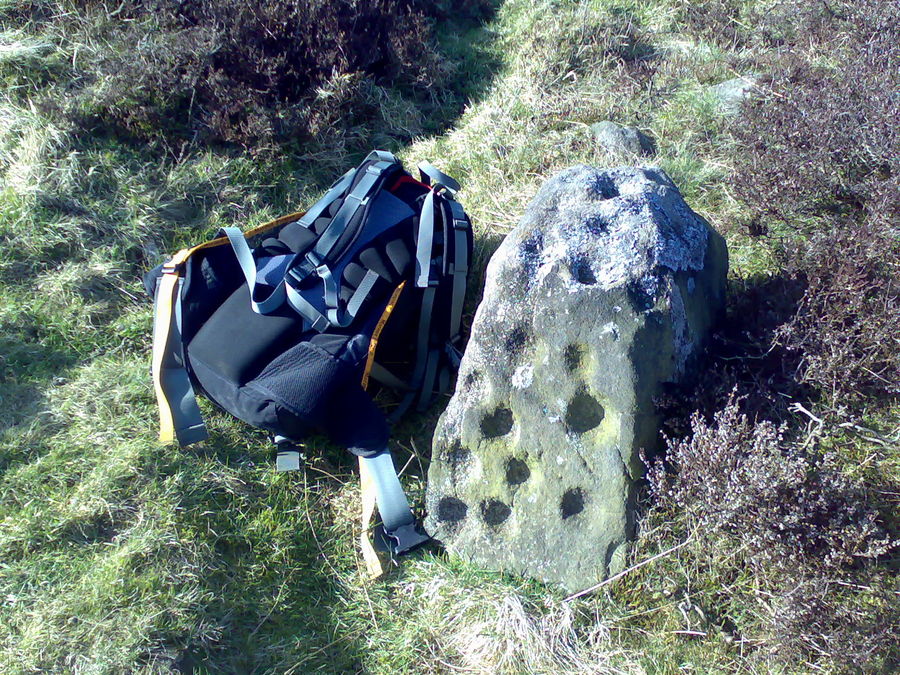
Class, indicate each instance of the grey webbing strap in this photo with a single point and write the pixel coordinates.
(389, 495)
(422, 339)
(424, 242)
(423, 335)
(402, 407)
(187, 420)
(362, 292)
(382, 155)
(316, 319)
(381, 374)
(330, 284)
(443, 385)
(460, 267)
(430, 173)
(427, 388)
(357, 197)
(316, 210)
(343, 318)
(248, 266)
(314, 260)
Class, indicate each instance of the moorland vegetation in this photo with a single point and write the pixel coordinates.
(130, 129)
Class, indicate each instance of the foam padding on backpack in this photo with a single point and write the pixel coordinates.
(296, 237)
(399, 255)
(236, 342)
(372, 261)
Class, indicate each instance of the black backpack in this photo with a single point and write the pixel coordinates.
(286, 326)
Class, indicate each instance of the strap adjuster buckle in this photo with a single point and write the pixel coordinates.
(401, 540)
(314, 259)
(454, 353)
(459, 224)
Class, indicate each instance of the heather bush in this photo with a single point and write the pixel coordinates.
(719, 20)
(853, 624)
(252, 73)
(820, 165)
(749, 497)
(789, 506)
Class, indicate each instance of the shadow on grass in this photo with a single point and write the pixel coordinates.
(269, 578)
(28, 365)
(745, 359)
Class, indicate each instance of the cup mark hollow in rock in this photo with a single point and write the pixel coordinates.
(517, 471)
(451, 510)
(572, 503)
(471, 379)
(582, 272)
(516, 340)
(498, 423)
(494, 512)
(574, 357)
(583, 413)
(457, 454)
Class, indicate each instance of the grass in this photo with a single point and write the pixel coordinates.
(117, 555)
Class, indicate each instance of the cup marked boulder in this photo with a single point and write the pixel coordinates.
(605, 290)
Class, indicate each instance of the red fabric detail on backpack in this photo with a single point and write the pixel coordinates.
(403, 178)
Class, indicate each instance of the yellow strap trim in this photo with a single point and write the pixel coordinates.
(374, 564)
(162, 319)
(373, 343)
(259, 229)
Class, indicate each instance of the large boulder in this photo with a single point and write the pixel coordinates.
(604, 291)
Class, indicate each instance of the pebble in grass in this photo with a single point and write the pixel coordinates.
(622, 140)
(603, 292)
(731, 94)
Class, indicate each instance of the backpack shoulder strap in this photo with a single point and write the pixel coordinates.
(179, 414)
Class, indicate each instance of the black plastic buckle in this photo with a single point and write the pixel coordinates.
(459, 224)
(289, 455)
(402, 540)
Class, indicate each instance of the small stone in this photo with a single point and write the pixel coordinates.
(730, 94)
(619, 139)
(604, 292)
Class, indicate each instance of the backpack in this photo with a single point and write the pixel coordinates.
(290, 325)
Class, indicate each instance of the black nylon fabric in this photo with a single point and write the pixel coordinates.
(323, 391)
(237, 342)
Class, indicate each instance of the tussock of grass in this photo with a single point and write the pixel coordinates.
(490, 625)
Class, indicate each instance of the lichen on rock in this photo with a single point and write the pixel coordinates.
(604, 291)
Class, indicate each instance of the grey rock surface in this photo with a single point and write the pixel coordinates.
(605, 290)
(731, 93)
(623, 140)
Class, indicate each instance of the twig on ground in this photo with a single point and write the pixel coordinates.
(621, 574)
